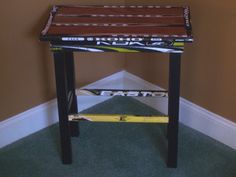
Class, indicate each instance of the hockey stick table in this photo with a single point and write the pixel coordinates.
(162, 29)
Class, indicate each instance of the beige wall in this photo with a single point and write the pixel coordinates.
(26, 65)
(208, 65)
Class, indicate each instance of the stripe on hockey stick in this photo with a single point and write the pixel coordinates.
(130, 93)
(119, 118)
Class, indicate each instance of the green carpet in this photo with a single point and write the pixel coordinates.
(118, 150)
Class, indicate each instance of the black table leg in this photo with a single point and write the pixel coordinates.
(173, 109)
(62, 102)
(73, 109)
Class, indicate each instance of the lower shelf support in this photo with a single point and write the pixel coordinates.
(119, 118)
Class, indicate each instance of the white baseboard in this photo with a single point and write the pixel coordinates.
(208, 123)
(28, 122)
(114, 81)
(192, 115)
(37, 118)
(44, 115)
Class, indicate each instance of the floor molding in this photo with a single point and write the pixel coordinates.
(28, 122)
(37, 118)
(192, 115)
(208, 123)
(44, 115)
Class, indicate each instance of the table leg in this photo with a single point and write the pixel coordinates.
(73, 109)
(62, 102)
(173, 109)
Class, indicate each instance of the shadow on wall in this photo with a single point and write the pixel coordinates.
(45, 63)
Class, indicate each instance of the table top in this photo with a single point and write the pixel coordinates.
(116, 26)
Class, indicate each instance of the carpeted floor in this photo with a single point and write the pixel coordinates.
(118, 150)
